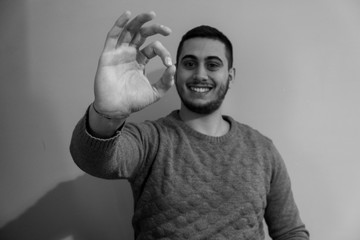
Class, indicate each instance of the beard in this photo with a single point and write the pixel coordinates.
(208, 107)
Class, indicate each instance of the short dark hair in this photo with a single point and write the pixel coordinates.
(205, 31)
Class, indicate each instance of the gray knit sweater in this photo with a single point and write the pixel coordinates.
(187, 185)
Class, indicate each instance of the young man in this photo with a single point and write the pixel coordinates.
(195, 174)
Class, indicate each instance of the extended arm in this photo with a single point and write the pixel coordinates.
(120, 156)
(121, 88)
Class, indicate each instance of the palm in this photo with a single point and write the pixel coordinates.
(121, 86)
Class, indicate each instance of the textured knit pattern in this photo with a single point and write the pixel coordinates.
(187, 185)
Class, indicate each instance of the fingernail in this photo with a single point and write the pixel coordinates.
(168, 61)
(167, 29)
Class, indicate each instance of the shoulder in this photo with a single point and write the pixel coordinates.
(248, 134)
(257, 143)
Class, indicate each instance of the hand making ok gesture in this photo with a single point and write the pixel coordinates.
(121, 87)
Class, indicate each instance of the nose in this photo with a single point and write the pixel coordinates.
(200, 73)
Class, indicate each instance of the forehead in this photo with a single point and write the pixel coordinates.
(203, 48)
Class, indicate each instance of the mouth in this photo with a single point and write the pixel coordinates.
(200, 88)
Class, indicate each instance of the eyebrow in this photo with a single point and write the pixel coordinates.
(207, 58)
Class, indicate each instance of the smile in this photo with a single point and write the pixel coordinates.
(200, 89)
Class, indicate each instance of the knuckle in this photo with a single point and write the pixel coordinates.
(144, 31)
(110, 34)
(157, 44)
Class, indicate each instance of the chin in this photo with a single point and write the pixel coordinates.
(206, 108)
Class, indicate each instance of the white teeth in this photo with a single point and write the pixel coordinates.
(200, 90)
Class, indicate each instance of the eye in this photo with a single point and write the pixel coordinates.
(213, 65)
(189, 64)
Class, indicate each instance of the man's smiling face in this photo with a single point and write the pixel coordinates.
(203, 75)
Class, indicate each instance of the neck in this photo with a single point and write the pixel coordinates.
(211, 124)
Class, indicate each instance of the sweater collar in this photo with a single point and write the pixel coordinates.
(176, 117)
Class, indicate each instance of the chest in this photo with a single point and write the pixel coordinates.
(210, 175)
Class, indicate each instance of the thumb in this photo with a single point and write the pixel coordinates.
(165, 82)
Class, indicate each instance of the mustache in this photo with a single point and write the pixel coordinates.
(200, 83)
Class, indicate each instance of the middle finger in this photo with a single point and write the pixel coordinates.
(133, 27)
(148, 31)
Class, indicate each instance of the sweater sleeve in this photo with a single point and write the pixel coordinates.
(117, 157)
(281, 214)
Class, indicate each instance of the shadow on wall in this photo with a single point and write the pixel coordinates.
(86, 208)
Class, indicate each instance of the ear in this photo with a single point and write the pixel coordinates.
(232, 73)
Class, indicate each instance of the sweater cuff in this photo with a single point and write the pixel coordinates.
(86, 137)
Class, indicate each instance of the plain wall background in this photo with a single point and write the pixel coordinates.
(298, 82)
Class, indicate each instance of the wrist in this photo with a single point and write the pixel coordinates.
(102, 125)
(106, 116)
